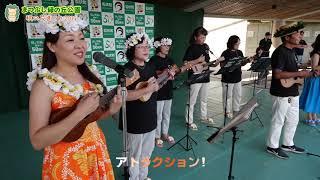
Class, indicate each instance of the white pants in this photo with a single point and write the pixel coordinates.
(285, 117)
(195, 89)
(163, 117)
(234, 95)
(140, 147)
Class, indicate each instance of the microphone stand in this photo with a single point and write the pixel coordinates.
(124, 126)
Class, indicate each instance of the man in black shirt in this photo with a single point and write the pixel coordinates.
(300, 49)
(141, 116)
(285, 109)
(198, 50)
(265, 44)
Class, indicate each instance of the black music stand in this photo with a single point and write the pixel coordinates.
(262, 65)
(194, 78)
(230, 66)
(243, 116)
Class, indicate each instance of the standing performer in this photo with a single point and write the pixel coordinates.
(300, 49)
(198, 50)
(232, 80)
(310, 96)
(265, 44)
(141, 116)
(64, 79)
(285, 109)
(164, 100)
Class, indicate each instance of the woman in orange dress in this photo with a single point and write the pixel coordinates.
(63, 79)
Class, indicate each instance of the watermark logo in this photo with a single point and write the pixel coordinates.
(12, 12)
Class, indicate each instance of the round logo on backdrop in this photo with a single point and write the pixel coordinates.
(65, 2)
(83, 16)
(12, 12)
(108, 19)
(96, 31)
(121, 56)
(149, 21)
(140, 30)
(118, 7)
(129, 20)
(109, 44)
(119, 31)
(140, 9)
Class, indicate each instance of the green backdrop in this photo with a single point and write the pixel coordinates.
(15, 59)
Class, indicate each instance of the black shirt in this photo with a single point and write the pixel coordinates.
(141, 116)
(234, 76)
(283, 59)
(299, 51)
(166, 92)
(265, 44)
(193, 52)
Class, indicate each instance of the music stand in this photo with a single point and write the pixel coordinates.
(243, 116)
(194, 78)
(230, 66)
(262, 65)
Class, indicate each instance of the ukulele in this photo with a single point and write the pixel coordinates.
(77, 131)
(297, 80)
(197, 69)
(163, 77)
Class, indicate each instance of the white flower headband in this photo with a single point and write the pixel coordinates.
(135, 38)
(163, 42)
(55, 23)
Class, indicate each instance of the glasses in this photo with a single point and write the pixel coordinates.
(142, 47)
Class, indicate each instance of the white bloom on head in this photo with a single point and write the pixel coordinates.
(52, 28)
(134, 39)
(55, 23)
(163, 42)
(156, 44)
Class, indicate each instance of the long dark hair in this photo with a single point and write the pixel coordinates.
(50, 60)
(130, 51)
(197, 32)
(316, 46)
(232, 41)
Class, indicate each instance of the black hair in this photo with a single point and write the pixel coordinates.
(283, 38)
(50, 60)
(232, 41)
(197, 32)
(316, 46)
(130, 51)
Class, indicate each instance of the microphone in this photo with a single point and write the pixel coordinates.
(208, 49)
(101, 58)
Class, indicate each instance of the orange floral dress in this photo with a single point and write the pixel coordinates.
(86, 158)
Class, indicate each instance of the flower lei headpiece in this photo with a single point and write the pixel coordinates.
(135, 38)
(287, 30)
(163, 42)
(55, 23)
